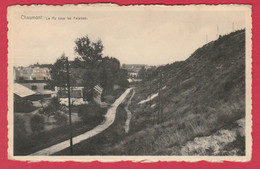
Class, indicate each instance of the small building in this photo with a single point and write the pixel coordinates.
(76, 95)
(79, 95)
(133, 74)
(97, 94)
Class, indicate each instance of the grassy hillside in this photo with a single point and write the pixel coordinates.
(203, 94)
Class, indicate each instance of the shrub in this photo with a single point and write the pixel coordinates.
(52, 107)
(23, 106)
(37, 123)
(90, 112)
(61, 118)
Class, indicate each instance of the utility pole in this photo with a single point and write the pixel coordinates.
(206, 38)
(150, 94)
(151, 101)
(68, 85)
(161, 105)
(159, 118)
(233, 26)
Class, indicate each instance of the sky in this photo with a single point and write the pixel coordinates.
(152, 35)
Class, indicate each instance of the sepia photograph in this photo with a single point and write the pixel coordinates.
(142, 83)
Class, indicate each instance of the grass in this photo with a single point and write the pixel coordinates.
(204, 93)
(154, 139)
(32, 143)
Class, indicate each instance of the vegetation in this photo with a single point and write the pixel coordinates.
(20, 133)
(28, 144)
(51, 108)
(91, 66)
(37, 123)
(91, 112)
(61, 118)
(203, 94)
(99, 144)
(147, 74)
(23, 106)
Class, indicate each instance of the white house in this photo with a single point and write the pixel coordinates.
(76, 95)
(40, 88)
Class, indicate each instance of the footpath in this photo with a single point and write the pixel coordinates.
(109, 119)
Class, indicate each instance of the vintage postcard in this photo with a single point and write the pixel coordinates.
(142, 83)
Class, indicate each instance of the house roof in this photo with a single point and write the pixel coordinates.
(98, 89)
(22, 91)
(73, 94)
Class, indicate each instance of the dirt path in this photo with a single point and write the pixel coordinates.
(129, 114)
(109, 119)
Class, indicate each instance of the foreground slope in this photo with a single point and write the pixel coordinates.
(201, 97)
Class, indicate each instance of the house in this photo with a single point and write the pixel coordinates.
(133, 74)
(22, 93)
(76, 95)
(40, 73)
(22, 73)
(22, 99)
(31, 73)
(40, 88)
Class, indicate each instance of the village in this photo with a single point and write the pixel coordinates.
(41, 107)
(130, 83)
(93, 105)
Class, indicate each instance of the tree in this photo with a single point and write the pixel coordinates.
(91, 54)
(142, 72)
(58, 72)
(100, 70)
(89, 51)
(90, 112)
(109, 74)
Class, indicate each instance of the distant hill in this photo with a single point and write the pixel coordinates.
(200, 96)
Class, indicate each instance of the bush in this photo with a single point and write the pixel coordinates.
(23, 106)
(52, 107)
(90, 112)
(61, 118)
(37, 123)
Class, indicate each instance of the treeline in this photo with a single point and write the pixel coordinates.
(147, 74)
(89, 68)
